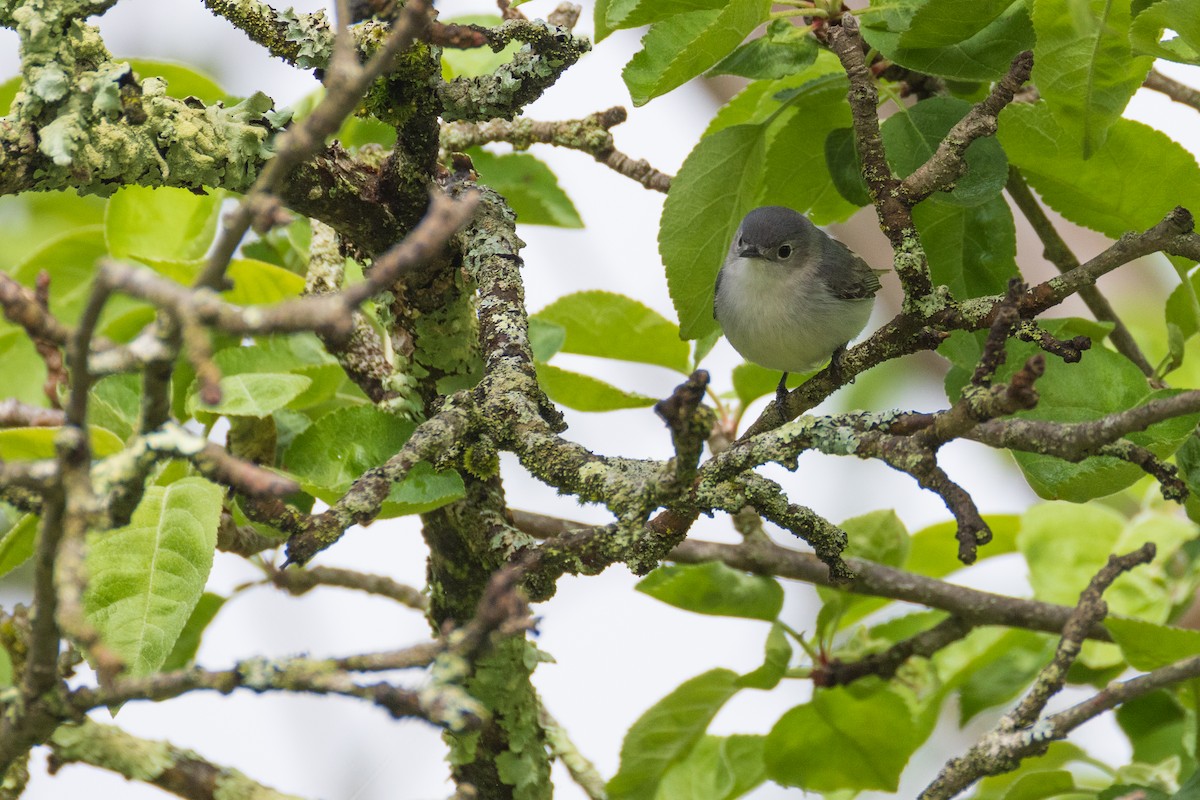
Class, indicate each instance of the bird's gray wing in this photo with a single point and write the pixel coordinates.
(848, 281)
(716, 293)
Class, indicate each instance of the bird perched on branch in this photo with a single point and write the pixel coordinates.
(788, 296)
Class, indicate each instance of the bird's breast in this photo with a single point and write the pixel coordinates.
(783, 317)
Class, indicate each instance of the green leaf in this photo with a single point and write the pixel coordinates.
(933, 550)
(972, 251)
(714, 189)
(782, 51)
(714, 588)
(872, 735)
(984, 56)
(183, 81)
(775, 662)
(913, 134)
(145, 579)
(585, 393)
(253, 394)
(184, 652)
(545, 338)
(300, 355)
(163, 223)
(717, 768)
(1146, 33)
(1157, 728)
(260, 283)
(1003, 671)
(761, 101)
(941, 23)
(23, 368)
(1148, 646)
(796, 173)
(845, 167)
(1120, 188)
(621, 14)
(611, 325)
(16, 546)
(70, 262)
(877, 536)
(529, 186)
(32, 219)
(28, 444)
(667, 732)
(1082, 65)
(114, 404)
(423, 489)
(1066, 544)
(364, 437)
(750, 381)
(681, 47)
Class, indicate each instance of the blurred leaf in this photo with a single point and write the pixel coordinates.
(877, 536)
(260, 283)
(145, 579)
(475, 61)
(934, 552)
(680, 47)
(114, 404)
(29, 444)
(873, 735)
(1157, 728)
(364, 437)
(163, 223)
(1083, 67)
(585, 393)
(667, 732)
(713, 588)
(750, 381)
(717, 768)
(984, 56)
(1148, 646)
(611, 325)
(184, 652)
(973, 250)
(783, 50)
(70, 262)
(545, 338)
(761, 101)
(529, 186)
(1120, 188)
(912, 135)
(183, 81)
(31, 219)
(253, 394)
(23, 368)
(1146, 32)
(16, 546)
(1004, 671)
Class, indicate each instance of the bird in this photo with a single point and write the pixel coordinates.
(789, 297)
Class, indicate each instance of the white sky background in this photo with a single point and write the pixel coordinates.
(617, 651)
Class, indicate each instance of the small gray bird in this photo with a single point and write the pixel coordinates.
(788, 296)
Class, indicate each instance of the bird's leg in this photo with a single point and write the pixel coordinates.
(835, 363)
(781, 395)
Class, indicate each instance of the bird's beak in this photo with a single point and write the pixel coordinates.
(749, 251)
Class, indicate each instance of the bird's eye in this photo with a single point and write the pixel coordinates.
(784, 251)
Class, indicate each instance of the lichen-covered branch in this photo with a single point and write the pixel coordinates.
(173, 769)
(589, 135)
(1019, 735)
